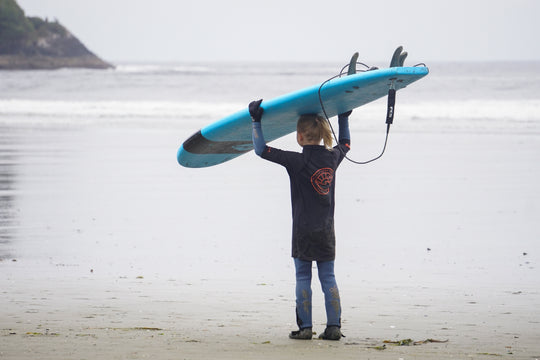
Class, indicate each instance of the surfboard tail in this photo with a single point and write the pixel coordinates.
(199, 151)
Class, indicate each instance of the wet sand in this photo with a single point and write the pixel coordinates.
(88, 317)
(110, 250)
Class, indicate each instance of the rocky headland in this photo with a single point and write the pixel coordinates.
(34, 43)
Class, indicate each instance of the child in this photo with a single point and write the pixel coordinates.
(312, 177)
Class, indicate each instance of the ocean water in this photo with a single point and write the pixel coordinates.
(89, 182)
(493, 97)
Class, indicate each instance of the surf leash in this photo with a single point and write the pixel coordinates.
(398, 59)
(389, 115)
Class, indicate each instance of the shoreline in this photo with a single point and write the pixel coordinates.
(42, 62)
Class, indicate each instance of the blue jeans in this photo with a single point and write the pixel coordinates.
(303, 293)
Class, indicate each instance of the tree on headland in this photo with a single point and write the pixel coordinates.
(15, 28)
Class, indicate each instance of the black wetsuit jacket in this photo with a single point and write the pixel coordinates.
(313, 177)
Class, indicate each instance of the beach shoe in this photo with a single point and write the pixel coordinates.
(302, 334)
(331, 333)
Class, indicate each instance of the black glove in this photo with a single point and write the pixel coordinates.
(345, 114)
(255, 110)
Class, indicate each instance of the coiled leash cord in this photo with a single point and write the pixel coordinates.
(389, 111)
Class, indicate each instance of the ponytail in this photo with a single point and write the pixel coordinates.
(315, 128)
(326, 132)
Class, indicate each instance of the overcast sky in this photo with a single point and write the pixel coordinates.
(299, 30)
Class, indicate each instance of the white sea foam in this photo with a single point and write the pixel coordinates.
(493, 115)
(496, 115)
(114, 112)
(163, 68)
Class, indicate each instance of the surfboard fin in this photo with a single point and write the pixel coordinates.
(352, 64)
(402, 58)
(395, 62)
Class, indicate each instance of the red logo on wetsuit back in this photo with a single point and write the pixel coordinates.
(322, 180)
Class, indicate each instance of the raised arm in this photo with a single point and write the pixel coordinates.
(344, 132)
(256, 112)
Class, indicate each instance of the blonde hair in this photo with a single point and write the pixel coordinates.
(315, 128)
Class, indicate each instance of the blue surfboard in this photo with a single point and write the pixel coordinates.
(230, 137)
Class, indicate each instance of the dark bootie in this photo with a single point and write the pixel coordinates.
(331, 333)
(302, 334)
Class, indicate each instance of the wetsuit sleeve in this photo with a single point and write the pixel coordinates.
(258, 139)
(277, 156)
(289, 159)
(344, 132)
